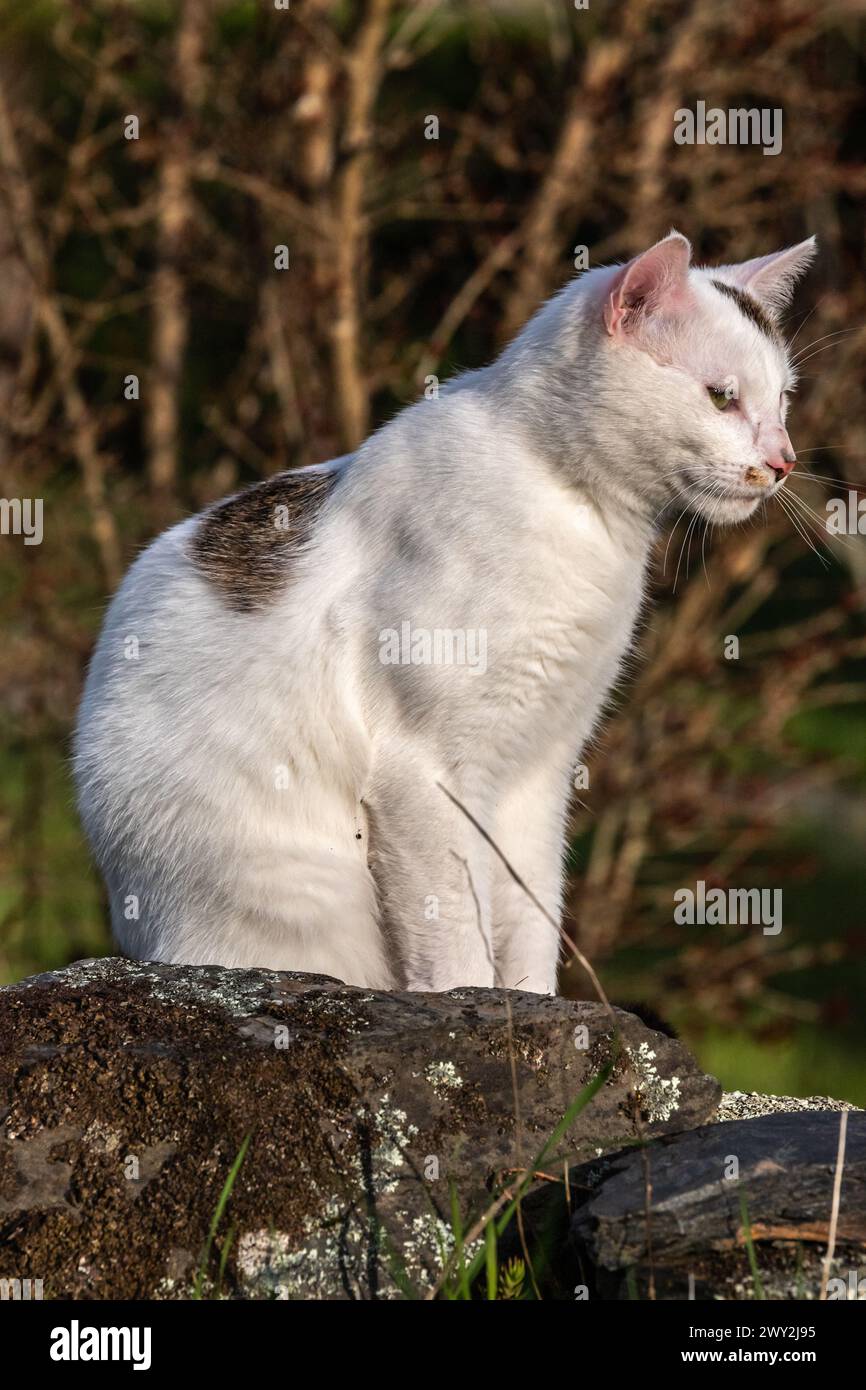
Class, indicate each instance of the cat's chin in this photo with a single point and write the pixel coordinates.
(731, 508)
(728, 508)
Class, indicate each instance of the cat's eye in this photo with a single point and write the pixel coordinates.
(720, 398)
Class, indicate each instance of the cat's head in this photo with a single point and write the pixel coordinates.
(696, 374)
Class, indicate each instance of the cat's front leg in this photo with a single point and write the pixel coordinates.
(433, 874)
(529, 829)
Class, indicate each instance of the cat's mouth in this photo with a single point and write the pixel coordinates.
(711, 493)
(749, 500)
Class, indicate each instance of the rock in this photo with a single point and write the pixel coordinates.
(127, 1092)
(748, 1105)
(781, 1165)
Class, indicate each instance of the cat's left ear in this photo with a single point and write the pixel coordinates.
(772, 279)
(654, 282)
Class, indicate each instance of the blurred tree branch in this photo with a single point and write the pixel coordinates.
(85, 439)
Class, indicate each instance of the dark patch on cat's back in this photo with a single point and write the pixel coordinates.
(751, 309)
(244, 545)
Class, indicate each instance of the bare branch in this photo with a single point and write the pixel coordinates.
(84, 434)
(365, 69)
(170, 318)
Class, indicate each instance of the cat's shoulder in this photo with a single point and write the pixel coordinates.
(241, 545)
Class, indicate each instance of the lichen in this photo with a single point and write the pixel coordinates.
(658, 1095)
(443, 1077)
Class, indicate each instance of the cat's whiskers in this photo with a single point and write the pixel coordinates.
(817, 342)
(804, 506)
(689, 501)
(685, 547)
(798, 524)
(805, 320)
(836, 333)
(708, 522)
(802, 359)
(820, 524)
(714, 485)
(825, 478)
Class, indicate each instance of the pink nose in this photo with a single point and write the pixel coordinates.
(782, 462)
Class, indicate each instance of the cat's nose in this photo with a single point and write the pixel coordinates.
(782, 463)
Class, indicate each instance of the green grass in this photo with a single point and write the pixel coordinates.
(52, 909)
(750, 1247)
(459, 1275)
(219, 1212)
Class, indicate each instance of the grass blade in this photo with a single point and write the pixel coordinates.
(750, 1247)
(218, 1215)
(490, 1251)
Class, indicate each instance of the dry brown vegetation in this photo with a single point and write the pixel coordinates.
(154, 257)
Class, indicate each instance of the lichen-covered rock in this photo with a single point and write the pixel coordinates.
(768, 1179)
(128, 1090)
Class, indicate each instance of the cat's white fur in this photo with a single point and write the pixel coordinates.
(260, 789)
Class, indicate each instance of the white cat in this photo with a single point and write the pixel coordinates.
(283, 682)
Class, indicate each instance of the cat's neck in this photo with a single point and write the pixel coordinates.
(545, 385)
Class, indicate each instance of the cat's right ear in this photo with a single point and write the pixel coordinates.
(655, 281)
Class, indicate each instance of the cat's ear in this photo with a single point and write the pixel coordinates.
(656, 280)
(771, 279)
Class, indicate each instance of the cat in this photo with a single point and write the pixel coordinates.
(282, 724)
